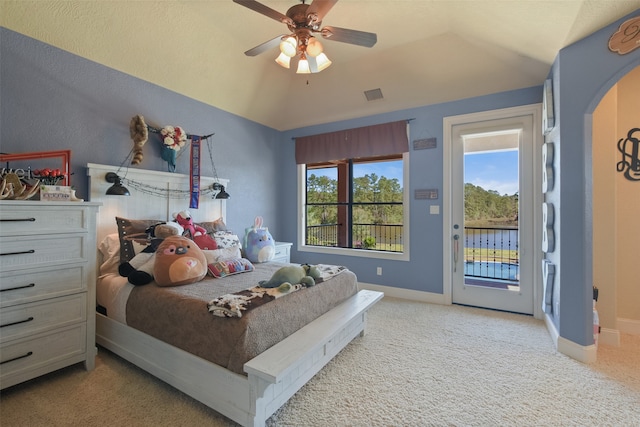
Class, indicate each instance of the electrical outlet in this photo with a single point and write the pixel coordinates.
(379, 271)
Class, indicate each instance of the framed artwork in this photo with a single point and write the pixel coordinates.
(19, 163)
(548, 118)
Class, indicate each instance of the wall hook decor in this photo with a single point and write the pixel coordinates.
(629, 147)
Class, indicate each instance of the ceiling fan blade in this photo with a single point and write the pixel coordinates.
(320, 8)
(360, 38)
(265, 10)
(264, 46)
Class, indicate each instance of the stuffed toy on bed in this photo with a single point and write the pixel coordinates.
(259, 245)
(139, 270)
(186, 221)
(304, 274)
(179, 261)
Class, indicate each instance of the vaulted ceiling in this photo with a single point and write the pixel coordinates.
(428, 51)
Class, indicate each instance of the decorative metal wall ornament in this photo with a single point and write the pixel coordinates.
(547, 167)
(548, 275)
(548, 117)
(548, 235)
(629, 147)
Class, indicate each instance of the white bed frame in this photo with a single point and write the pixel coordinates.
(273, 376)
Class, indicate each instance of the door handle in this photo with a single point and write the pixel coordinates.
(456, 241)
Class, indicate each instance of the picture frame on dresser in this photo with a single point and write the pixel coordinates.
(47, 287)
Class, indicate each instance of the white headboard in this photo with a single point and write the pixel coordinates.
(142, 205)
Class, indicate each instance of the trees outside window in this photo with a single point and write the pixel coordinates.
(355, 203)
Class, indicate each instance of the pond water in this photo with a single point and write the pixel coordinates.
(493, 270)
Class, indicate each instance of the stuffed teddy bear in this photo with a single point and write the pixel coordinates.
(186, 221)
(293, 274)
(139, 270)
(259, 245)
(179, 261)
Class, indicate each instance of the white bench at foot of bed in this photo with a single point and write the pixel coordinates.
(272, 377)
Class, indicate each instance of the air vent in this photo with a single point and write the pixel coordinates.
(373, 94)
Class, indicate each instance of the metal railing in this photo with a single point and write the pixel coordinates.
(375, 237)
(489, 253)
(492, 253)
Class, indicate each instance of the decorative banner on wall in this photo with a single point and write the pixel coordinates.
(630, 150)
(194, 175)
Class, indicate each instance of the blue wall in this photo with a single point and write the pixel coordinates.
(424, 271)
(583, 73)
(53, 100)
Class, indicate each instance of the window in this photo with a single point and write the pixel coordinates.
(356, 204)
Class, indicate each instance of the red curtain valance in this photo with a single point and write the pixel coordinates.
(377, 140)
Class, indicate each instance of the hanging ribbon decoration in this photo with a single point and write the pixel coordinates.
(194, 175)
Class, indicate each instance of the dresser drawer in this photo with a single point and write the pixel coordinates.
(18, 287)
(30, 357)
(37, 251)
(28, 319)
(21, 220)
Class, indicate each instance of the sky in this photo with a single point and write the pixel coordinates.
(497, 170)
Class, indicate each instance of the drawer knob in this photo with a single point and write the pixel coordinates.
(18, 322)
(17, 358)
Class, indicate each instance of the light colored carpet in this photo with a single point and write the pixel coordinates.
(419, 365)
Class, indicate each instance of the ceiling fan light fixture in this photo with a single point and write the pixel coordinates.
(283, 60)
(322, 62)
(314, 47)
(303, 65)
(289, 46)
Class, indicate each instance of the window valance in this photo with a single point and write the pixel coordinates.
(369, 141)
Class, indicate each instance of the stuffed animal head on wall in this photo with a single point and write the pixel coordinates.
(259, 245)
(179, 261)
(186, 221)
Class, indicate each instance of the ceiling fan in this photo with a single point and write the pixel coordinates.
(305, 20)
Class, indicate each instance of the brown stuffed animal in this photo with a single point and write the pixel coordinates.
(179, 261)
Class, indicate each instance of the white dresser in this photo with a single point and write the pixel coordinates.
(47, 287)
(283, 252)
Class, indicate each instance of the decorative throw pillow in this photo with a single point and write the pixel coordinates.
(224, 239)
(130, 229)
(231, 266)
(221, 254)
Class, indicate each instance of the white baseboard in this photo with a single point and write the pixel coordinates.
(582, 353)
(408, 294)
(609, 337)
(628, 326)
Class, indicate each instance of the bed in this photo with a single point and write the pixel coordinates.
(248, 381)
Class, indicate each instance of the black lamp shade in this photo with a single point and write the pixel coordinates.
(117, 189)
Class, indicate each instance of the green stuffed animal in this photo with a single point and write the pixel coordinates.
(304, 274)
